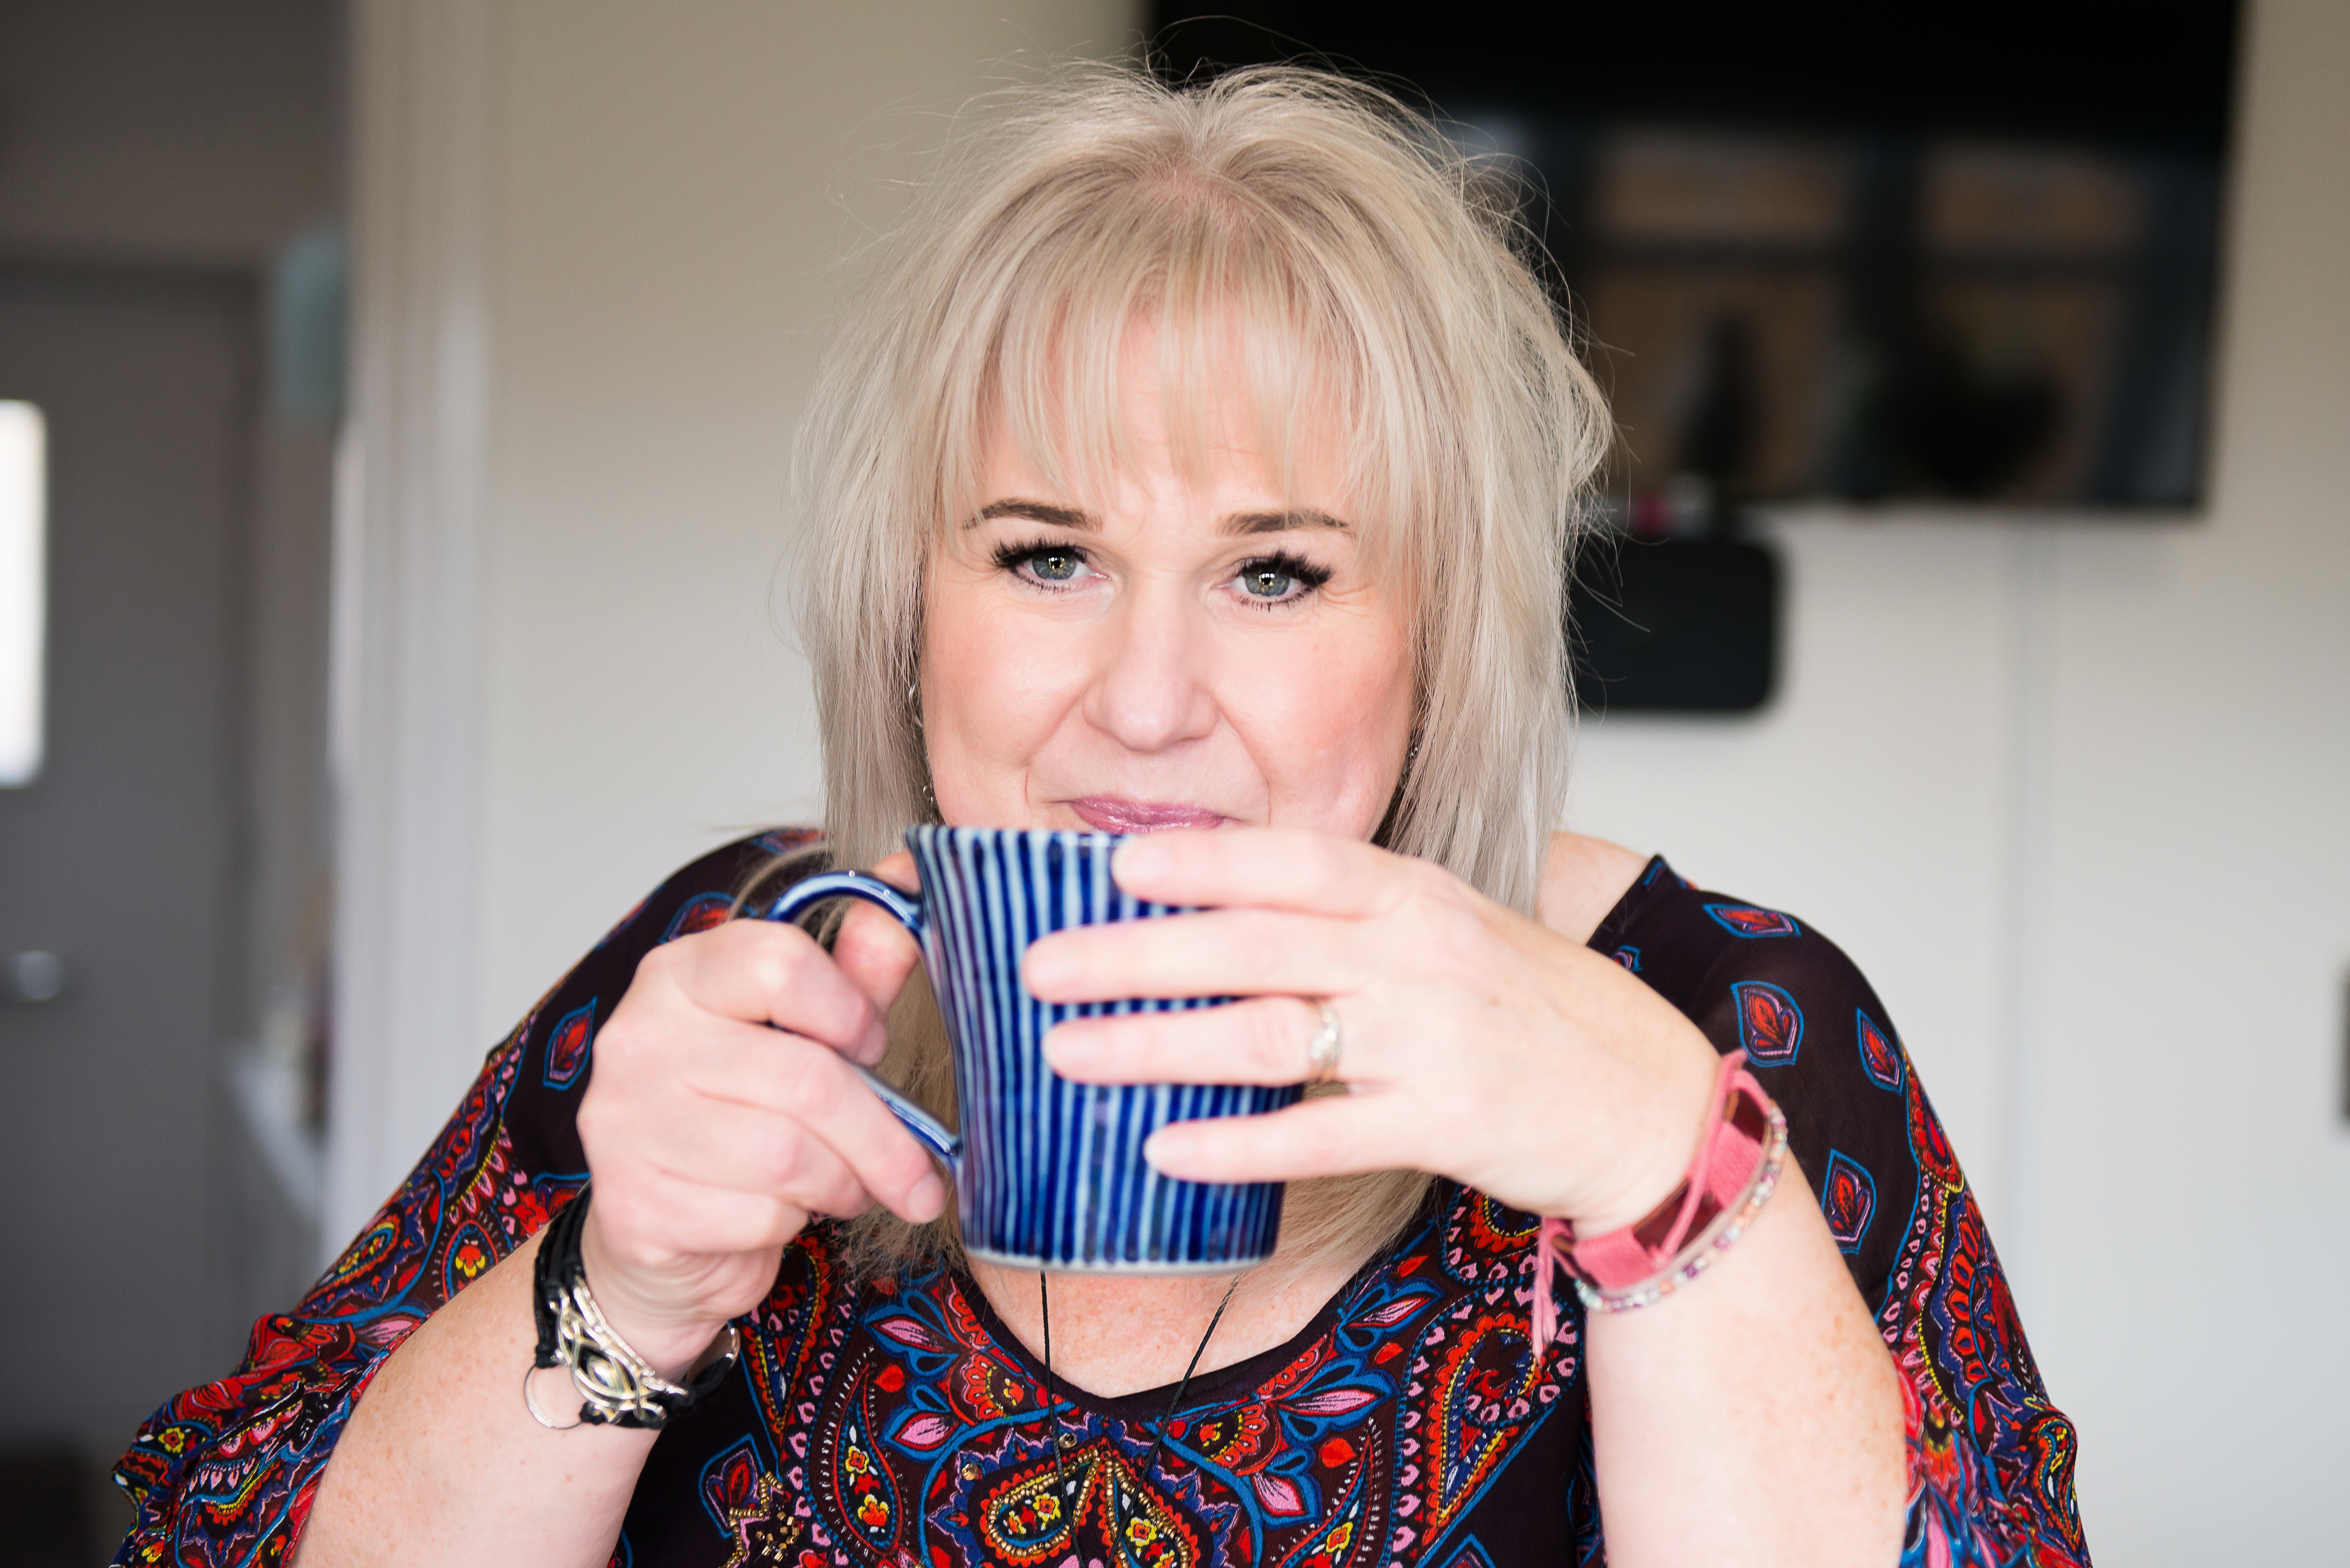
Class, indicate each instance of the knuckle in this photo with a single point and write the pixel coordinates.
(768, 952)
(662, 963)
(844, 1200)
(781, 1151)
(1451, 929)
(770, 967)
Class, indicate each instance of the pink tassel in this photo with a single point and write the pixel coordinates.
(1550, 1246)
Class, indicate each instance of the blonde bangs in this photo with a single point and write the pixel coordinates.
(1223, 290)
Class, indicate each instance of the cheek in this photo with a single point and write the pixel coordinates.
(992, 693)
(1328, 723)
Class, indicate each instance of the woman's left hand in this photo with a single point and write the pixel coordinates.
(1478, 1045)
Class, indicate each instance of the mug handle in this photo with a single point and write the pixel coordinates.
(927, 1129)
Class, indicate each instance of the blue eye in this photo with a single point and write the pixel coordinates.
(1280, 579)
(1041, 563)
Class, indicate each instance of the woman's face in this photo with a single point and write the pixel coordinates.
(1185, 656)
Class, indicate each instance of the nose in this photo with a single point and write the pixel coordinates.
(1150, 688)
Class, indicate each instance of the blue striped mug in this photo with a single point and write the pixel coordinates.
(1049, 1173)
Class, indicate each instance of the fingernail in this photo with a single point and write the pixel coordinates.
(926, 1200)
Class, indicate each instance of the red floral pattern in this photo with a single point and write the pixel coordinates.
(893, 1422)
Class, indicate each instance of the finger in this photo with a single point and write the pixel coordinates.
(1216, 953)
(1264, 1041)
(1318, 873)
(1338, 1135)
(763, 972)
(783, 1075)
(873, 949)
(742, 1149)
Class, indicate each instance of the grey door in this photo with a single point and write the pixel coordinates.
(118, 856)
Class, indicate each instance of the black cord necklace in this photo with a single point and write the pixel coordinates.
(1158, 1439)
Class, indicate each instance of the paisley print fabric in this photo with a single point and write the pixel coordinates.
(881, 1422)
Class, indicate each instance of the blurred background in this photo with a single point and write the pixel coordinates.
(395, 398)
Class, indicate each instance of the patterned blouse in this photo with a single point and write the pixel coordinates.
(881, 1423)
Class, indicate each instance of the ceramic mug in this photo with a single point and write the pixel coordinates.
(1049, 1173)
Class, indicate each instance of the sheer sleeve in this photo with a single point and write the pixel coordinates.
(1990, 1457)
(225, 1473)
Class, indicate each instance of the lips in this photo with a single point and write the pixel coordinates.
(1111, 814)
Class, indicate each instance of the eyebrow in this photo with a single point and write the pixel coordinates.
(1043, 511)
(1235, 525)
(1245, 522)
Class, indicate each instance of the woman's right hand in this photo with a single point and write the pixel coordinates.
(722, 1113)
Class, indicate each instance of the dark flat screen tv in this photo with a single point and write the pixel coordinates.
(1931, 252)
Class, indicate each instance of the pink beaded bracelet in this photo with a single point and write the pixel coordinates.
(1735, 1171)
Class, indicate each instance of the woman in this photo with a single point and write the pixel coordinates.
(1199, 464)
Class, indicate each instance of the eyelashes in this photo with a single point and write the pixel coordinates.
(1269, 581)
(1261, 577)
(1064, 559)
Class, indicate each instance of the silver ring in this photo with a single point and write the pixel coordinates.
(1322, 1053)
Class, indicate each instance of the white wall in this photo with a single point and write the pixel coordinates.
(2077, 796)
(595, 242)
(2074, 793)
(674, 192)
(2200, 809)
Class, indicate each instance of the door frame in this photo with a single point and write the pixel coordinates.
(408, 546)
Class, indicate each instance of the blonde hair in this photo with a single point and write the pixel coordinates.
(1373, 282)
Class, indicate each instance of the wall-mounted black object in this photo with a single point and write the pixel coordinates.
(1675, 626)
(1960, 252)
